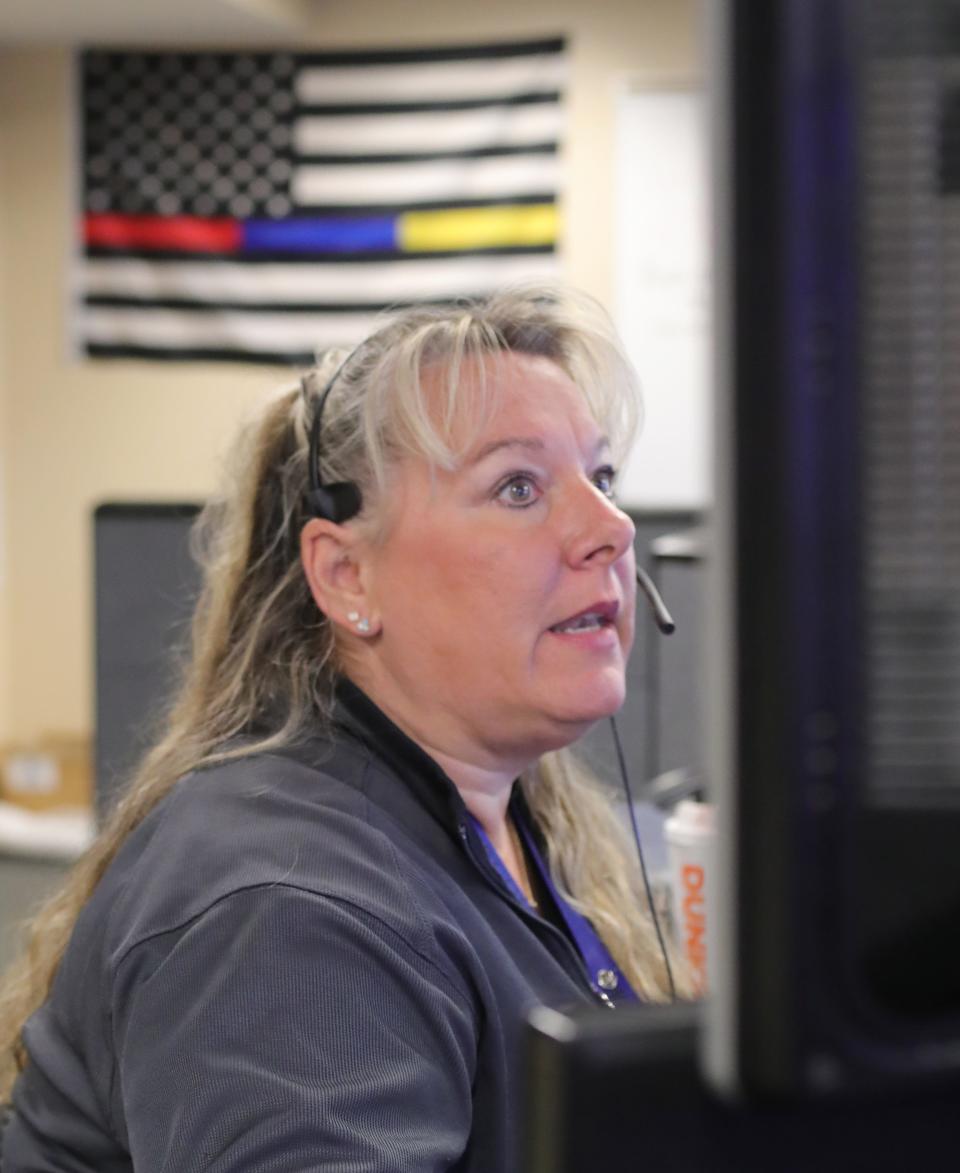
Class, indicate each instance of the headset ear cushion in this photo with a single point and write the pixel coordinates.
(337, 502)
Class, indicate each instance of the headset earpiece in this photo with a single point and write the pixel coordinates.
(338, 502)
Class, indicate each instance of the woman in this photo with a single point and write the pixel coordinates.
(311, 932)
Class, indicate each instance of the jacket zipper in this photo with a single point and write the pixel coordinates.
(595, 993)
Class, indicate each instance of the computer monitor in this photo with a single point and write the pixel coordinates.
(831, 624)
(623, 1091)
(834, 666)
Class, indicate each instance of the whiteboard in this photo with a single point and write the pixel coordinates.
(662, 292)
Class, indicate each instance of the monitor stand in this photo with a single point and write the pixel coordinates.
(621, 1090)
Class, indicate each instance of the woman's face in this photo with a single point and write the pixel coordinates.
(505, 588)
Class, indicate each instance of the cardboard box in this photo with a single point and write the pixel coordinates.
(54, 772)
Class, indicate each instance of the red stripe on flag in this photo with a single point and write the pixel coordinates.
(179, 233)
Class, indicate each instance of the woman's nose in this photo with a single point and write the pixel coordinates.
(600, 532)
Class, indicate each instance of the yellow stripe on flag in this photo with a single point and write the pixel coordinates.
(466, 228)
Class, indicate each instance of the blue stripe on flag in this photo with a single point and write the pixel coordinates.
(332, 235)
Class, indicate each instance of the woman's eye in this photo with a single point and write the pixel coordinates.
(604, 479)
(519, 490)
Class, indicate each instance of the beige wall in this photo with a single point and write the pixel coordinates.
(74, 433)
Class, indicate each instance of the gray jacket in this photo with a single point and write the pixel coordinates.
(298, 961)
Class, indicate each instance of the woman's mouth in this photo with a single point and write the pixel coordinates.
(596, 617)
(579, 624)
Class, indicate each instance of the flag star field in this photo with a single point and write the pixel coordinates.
(264, 206)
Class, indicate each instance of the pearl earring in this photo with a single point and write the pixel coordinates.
(363, 625)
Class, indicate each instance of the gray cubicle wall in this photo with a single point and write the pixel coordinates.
(145, 587)
(146, 583)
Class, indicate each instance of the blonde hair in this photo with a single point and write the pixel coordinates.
(263, 656)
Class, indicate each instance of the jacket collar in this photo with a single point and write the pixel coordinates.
(357, 715)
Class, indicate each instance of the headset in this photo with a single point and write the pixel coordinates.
(341, 500)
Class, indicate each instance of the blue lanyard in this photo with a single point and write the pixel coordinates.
(606, 977)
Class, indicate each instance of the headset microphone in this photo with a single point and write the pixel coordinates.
(661, 615)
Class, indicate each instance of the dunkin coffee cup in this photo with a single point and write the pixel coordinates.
(689, 834)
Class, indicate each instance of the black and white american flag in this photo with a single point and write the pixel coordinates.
(262, 206)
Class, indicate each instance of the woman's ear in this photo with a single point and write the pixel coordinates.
(332, 555)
